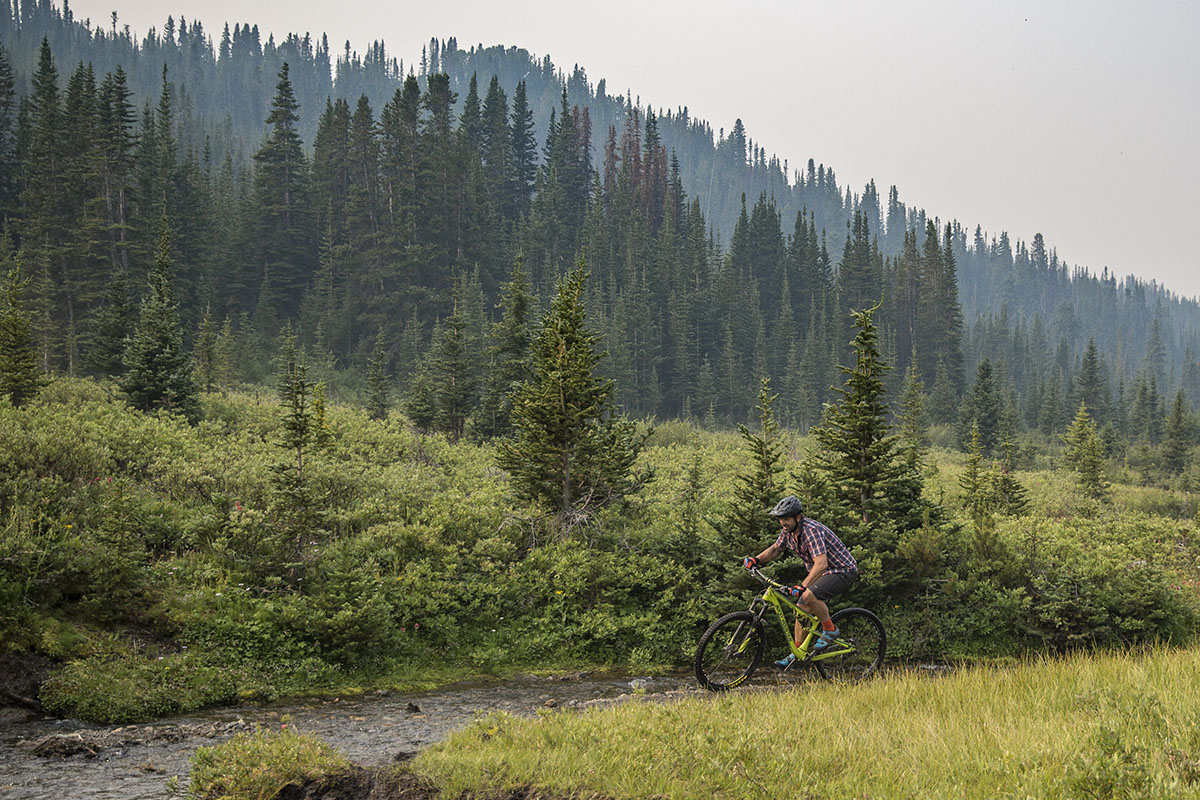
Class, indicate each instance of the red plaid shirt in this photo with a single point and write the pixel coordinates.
(811, 539)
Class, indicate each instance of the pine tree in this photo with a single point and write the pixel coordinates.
(524, 149)
(8, 141)
(1084, 453)
(283, 231)
(1180, 435)
(206, 353)
(454, 371)
(508, 354)
(420, 401)
(1091, 385)
(914, 433)
(981, 410)
(872, 487)
(20, 379)
(569, 452)
(1011, 496)
(296, 504)
(158, 373)
(977, 485)
(377, 380)
(758, 488)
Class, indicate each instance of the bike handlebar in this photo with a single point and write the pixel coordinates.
(765, 579)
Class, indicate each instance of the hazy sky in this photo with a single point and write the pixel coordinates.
(1075, 119)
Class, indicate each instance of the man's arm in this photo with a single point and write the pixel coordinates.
(770, 554)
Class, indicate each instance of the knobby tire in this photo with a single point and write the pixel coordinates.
(862, 629)
(729, 651)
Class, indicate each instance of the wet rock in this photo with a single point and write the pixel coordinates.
(92, 742)
(551, 703)
(61, 745)
(412, 708)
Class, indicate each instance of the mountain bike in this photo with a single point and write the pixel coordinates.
(732, 647)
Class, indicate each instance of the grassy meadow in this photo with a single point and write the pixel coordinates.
(1107, 725)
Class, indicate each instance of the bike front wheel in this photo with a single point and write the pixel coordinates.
(858, 651)
(729, 651)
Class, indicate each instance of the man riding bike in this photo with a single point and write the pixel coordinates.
(831, 568)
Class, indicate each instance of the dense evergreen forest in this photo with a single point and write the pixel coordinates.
(407, 221)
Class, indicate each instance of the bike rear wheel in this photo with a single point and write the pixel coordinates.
(862, 643)
(729, 651)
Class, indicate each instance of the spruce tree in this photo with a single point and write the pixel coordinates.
(1084, 453)
(508, 354)
(283, 232)
(872, 486)
(976, 481)
(20, 379)
(377, 380)
(8, 141)
(569, 451)
(982, 409)
(454, 371)
(1180, 435)
(158, 373)
(206, 353)
(914, 430)
(758, 488)
(296, 505)
(1011, 496)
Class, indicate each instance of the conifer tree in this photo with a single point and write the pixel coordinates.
(1084, 453)
(158, 373)
(20, 379)
(206, 353)
(569, 451)
(377, 380)
(296, 505)
(982, 410)
(283, 232)
(1011, 496)
(914, 434)
(454, 371)
(872, 487)
(8, 141)
(1091, 385)
(508, 354)
(757, 489)
(524, 149)
(1177, 443)
(977, 484)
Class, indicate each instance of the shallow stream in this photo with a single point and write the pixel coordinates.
(128, 762)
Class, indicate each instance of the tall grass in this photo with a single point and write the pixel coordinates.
(1118, 725)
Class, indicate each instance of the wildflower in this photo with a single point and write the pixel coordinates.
(237, 505)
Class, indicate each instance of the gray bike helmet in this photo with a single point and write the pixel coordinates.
(789, 506)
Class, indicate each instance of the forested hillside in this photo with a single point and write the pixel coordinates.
(389, 213)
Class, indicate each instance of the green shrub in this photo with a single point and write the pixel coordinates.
(132, 688)
(261, 764)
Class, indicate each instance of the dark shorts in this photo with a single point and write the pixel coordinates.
(831, 584)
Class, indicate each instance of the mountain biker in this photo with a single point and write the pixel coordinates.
(831, 568)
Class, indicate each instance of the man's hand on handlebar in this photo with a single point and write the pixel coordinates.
(749, 562)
